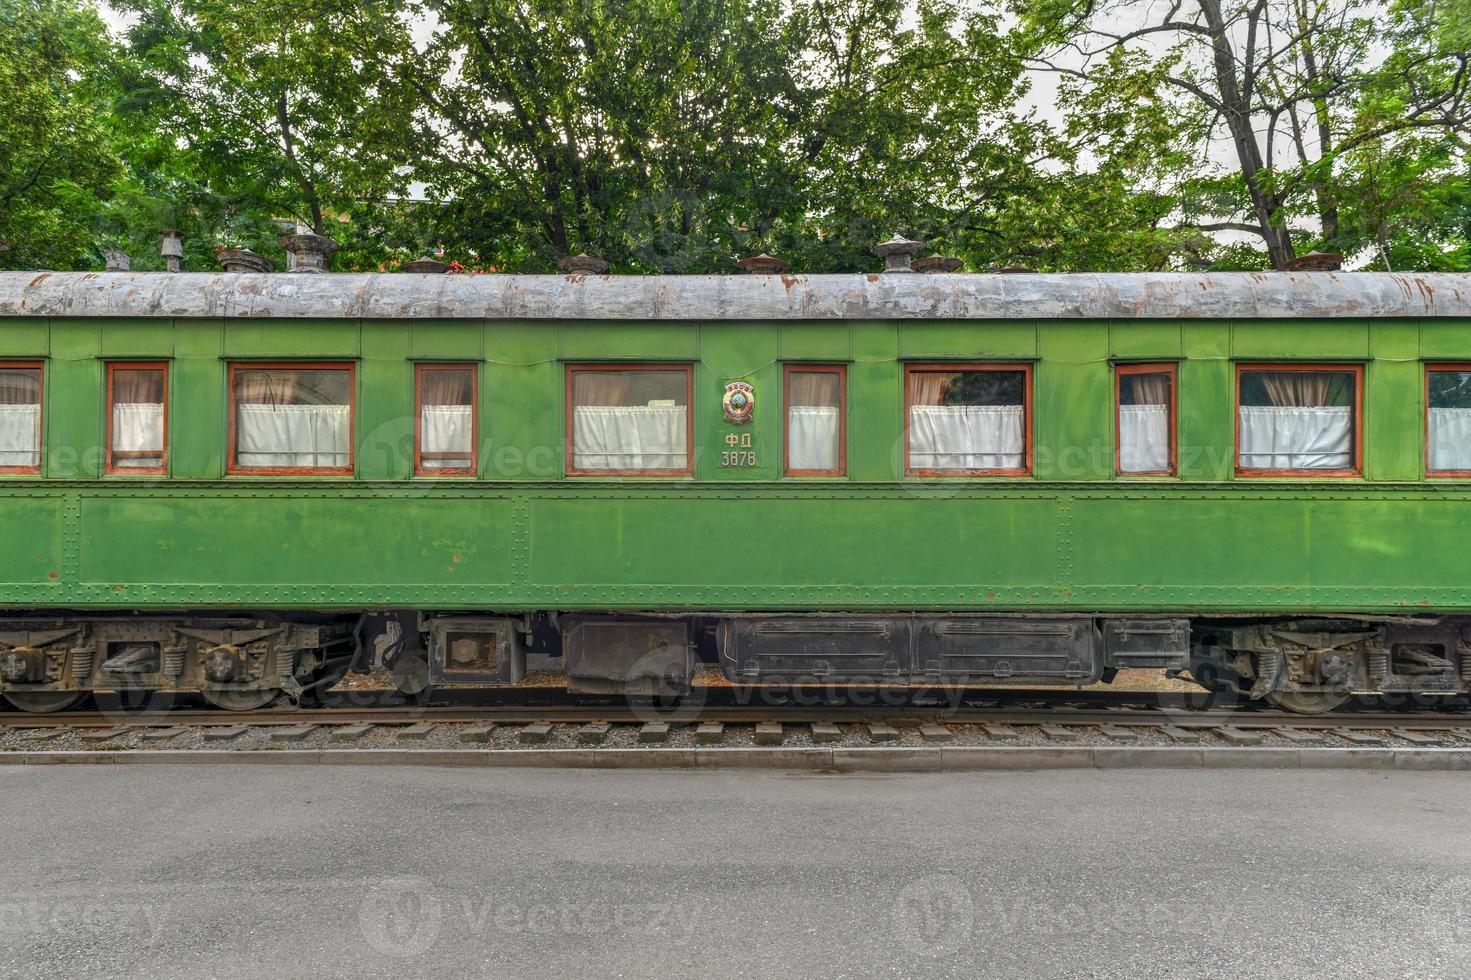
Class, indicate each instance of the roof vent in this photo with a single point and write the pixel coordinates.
(1315, 262)
(172, 249)
(426, 264)
(583, 264)
(116, 260)
(898, 253)
(764, 265)
(243, 260)
(935, 264)
(309, 252)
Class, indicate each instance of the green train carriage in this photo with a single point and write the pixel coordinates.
(244, 484)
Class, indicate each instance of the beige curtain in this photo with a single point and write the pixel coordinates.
(928, 387)
(1151, 389)
(814, 388)
(600, 388)
(137, 386)
(20, 386)
(442, 387)
(265, 387)
(1308, 389)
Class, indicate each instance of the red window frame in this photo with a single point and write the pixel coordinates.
(841, 370)
(41, 428)
(1122, 371)
(1446, 367)
(1025, 368)
(1357, 370)
(689, 443)
(109, 466)
(232, 468)
(460, 471)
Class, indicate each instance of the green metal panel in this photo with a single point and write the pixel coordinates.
(306, 340)
(974, 340)
(1445, 340)
(136, 338)
(600, 341)
(1206, 428)
(384, 413)
(1073, 403)
(521, 395)
(23, 337)
(875, 403)
(816, 341)
(1394, 433)
(1144, 340)
(437, 339)
(748, 352)
(198, 407)
(1300, 340)
(31, 527)
(72, 414)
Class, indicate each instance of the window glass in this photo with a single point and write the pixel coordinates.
(446, 420)
(967, 421)
(136, 417)
(814, 422)
(1448, 443)
(20, 418)
(1145, 401)
(293, 418)
(1297, 420)
(631, 421)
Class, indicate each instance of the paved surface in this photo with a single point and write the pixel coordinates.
(341, 872)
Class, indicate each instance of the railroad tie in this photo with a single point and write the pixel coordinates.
(709, 733)
(1416, 738)
(535, 733)
(1177, 734)
(825, 731)
(477, 733)
(292, 733)
(1237, 736)
(770, 733)
(103, 734)
(161, 734)
(1358, 737)
(418, 732)
(1299, 736)
(594, 733)
(223, 733)
(349, 733)
(1061, 733)
(1119, 734)
(654, 731)
(935, 733)
(1004, 732)
(880, 732)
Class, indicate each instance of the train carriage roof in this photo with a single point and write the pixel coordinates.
(1155, 295)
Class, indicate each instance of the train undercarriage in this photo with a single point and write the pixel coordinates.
(52, 661)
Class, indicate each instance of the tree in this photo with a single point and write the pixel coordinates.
(1296, 86)
(57, 160)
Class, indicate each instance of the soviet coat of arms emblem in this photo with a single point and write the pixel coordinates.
(739, 402)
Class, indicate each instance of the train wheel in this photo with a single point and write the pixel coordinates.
(410, 674)
(44, 702)
(1308, 702)
(241, 700)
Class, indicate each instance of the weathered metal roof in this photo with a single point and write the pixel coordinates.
(741, 297)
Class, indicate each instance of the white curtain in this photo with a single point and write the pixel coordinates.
(812, 437)
(1296, 438)
(1450, 439)
(20, 435)
(448, 429)
(304, 436)
(635, 437)
(966, 437)
(1144, 438)
(137, 427)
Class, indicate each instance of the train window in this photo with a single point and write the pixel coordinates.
(137, 426)
(1298, 420)
(816, 437)
(1146, 419)
(631, 421)
(968, 419)
(20, 417)
(291, 418)
(445, 424)
(1448, 420)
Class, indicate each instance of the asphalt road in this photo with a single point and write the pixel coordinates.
(352, 872)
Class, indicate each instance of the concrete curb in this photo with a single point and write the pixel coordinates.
(906, 759)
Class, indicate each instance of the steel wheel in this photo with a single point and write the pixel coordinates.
(229, 700)
(1308, 702)
(44, 702)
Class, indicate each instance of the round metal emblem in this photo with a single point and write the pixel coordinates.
(739, 402)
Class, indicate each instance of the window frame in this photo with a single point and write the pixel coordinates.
(951, 367)
(567, 417)
(108, 466)
(234, 469)
(1124, 370)
(459, 472)
(1356, 471)
(789, 369)
(39, 366)
(1432, 367)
